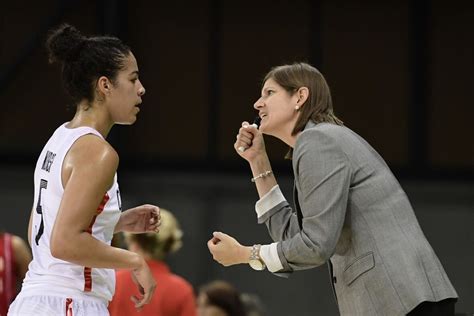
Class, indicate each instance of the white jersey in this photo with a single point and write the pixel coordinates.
(48, 275)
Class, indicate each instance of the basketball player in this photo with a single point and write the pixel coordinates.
(77, 205)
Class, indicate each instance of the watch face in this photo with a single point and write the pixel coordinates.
(257, 264)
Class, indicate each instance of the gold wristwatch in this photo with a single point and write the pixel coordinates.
(255, 261)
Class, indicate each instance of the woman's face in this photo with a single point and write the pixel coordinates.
(206, 309)
(126, 93)
(276, 108)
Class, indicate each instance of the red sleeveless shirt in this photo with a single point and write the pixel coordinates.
(7, 273)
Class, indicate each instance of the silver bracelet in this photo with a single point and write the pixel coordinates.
(262, 175)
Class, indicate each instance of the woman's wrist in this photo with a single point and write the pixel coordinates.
(260, 164)
(245, 254)
(118, 227)
(137, 261)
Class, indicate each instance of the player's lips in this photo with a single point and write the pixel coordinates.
(137, 106)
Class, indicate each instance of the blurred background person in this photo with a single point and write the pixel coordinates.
(174, 296)
(253, 305)
(219, 298)
(14, 259)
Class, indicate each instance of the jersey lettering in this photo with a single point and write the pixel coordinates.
(48, 161)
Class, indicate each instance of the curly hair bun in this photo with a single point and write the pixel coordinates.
(64, 43)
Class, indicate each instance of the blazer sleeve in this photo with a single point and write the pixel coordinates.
(322, 176)
(274, 210)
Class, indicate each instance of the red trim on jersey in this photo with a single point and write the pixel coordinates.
(87, 279)
(69, 307)
(88, 270)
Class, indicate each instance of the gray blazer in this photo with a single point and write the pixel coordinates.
(350, 211)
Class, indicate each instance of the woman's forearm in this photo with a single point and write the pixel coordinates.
(85, 250)
(265, 181)
(119, 226)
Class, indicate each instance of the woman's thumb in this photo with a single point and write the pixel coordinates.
(218, 235)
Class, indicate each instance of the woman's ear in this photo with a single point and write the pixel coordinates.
(302, 95)
(104, 85)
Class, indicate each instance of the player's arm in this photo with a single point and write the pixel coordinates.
(88, 172)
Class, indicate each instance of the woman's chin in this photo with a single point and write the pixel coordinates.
(129, 121)
(263, 128)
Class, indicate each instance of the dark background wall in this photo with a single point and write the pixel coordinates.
(401, 77)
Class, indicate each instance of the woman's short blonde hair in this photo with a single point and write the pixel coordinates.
(159, 245)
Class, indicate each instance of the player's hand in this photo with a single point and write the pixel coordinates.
(140, 219)
(146, 285)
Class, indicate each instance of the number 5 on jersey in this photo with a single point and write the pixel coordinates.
(39, 210)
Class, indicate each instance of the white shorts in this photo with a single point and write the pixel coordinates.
(43, 305)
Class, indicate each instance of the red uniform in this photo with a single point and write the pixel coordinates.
(173, 296)
(7, 273)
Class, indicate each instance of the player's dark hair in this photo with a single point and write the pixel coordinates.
(85, 59)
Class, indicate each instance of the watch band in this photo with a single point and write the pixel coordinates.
(255, 261)
(255, 252)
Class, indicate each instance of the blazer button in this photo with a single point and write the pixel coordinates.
(334, 280)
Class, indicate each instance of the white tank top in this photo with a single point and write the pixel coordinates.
(48, 275)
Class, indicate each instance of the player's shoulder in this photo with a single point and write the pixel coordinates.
(94, 149)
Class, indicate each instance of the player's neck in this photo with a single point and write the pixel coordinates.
(94, 116)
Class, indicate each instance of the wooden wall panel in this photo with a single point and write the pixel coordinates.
(452, 86)
(34, 102)
(367, 54)
(366, 60)
(255, 37)
(171, 43)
